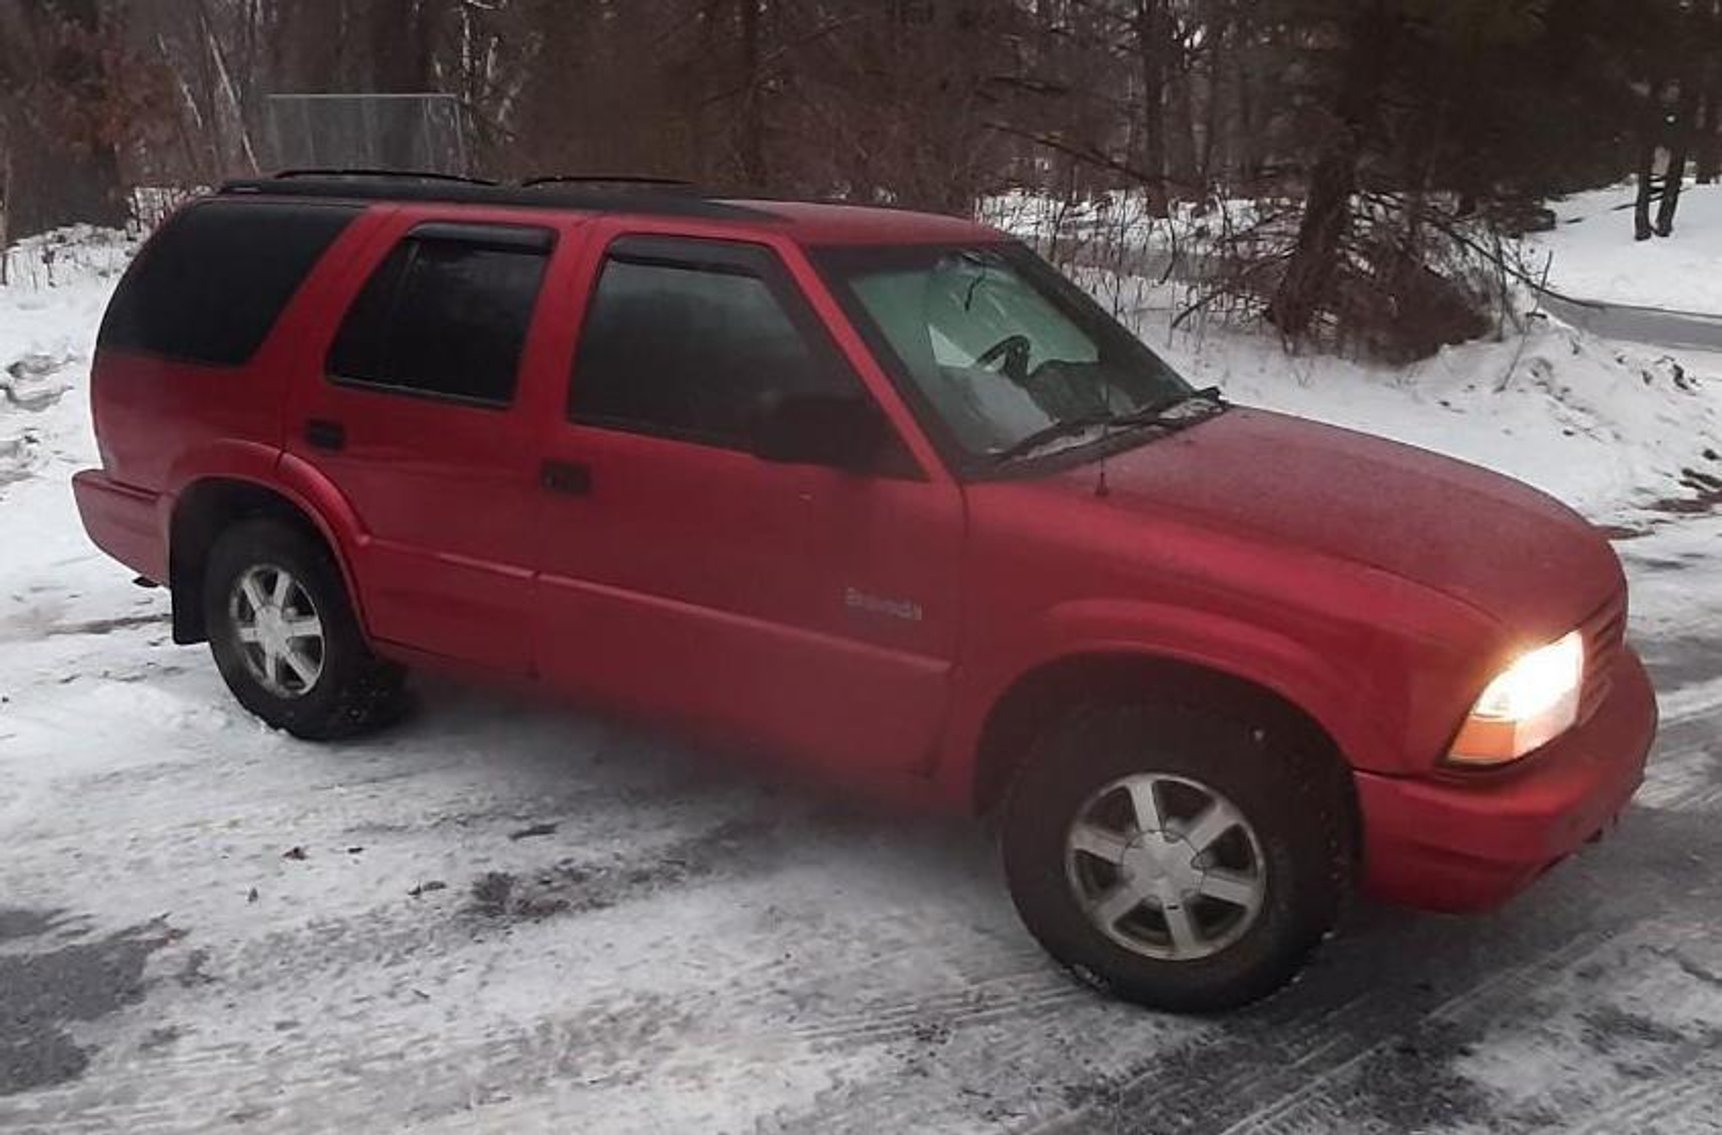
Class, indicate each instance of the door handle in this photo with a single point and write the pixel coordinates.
(566, 477)
(321, 434)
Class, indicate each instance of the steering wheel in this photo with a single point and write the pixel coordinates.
(1012, 354)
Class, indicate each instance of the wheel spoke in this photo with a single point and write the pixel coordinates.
(253, 593)
(1230, 887)
(1098, 842)
(283, 584)
(272, 667)
(1186, 939)
(247, 634)
(1117, 903)
(1205, 830)
(302, 666)
(1145, 800)
(309, 626)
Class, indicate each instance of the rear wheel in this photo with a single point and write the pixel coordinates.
(1176, 859)
(285, 639)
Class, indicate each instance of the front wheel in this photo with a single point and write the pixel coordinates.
(285, 639)
(1175, 859)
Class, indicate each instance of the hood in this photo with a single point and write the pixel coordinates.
(1487, 540)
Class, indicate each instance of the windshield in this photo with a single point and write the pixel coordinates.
(998, 345)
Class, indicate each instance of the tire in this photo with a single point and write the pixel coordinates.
(1282, 871)
(333, 686)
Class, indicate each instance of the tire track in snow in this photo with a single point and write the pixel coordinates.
(1254, 1080)
(1685, 769)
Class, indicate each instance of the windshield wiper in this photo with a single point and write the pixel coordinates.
(1163, 414)
(1160, 413)
(1056, 431)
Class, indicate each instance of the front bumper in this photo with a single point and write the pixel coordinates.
(1454, 846)
(123, 522)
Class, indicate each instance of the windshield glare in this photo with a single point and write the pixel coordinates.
(995, 342)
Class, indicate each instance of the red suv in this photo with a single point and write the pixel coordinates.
(881, 493)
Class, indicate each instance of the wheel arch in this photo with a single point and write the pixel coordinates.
(1036, 698)
(208, 506)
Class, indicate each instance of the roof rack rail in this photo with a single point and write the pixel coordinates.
(405, 174)
(358, 186)
(644, 182)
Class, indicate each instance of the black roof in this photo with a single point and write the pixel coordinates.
(594, 195)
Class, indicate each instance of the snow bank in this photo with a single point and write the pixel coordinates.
(1592, 254)
(1122, 219)
(49, 312)
(1607, 427)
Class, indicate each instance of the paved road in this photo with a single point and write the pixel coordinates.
(1679, 330)
(1676, 329)
(502, 918)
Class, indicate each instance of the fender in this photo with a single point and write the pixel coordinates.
(291, 478)
(319, 498)
(227, 459)
(1134, 628)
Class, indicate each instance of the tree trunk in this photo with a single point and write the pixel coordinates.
(1708, 144)
(1651, 141)
(1326, 217)
(1309, 277)
(751, 144)
(1679, 149)
(1181, 159)
(1151, 40)
(1248, 130)
(64, 176)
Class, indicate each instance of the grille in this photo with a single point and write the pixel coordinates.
(1604, 640)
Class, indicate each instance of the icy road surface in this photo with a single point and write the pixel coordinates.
(506, 918)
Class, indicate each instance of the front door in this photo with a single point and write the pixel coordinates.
(807, 609)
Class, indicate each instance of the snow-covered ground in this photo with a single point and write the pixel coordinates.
(1591, 254)
(1608, 427)
(502, 917)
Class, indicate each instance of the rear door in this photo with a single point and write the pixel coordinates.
(808, 609)
(413, 413)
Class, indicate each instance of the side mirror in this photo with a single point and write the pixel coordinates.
(821, 429)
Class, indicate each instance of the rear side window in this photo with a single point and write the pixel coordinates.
(446, 314)
(212, 283)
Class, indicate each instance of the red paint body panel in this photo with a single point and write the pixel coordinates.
(1464, 847)
(444, 495)
(123, 522)
(870, 626)
(718, 584)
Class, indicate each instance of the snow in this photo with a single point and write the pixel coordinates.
(1123, 220)
(1609, 428)
(1591, 255)
(696, 947)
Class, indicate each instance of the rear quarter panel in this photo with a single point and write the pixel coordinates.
(163, 422)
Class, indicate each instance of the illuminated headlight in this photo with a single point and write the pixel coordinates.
(1529, 704)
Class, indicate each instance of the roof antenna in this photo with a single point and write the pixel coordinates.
(1101, 488)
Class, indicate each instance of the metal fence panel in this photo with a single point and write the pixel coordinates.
(367, 131)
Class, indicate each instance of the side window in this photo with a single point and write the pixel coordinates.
(210, 286)
(445, 315)
(692, 349)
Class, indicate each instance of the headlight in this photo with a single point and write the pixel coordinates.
(1529, 704)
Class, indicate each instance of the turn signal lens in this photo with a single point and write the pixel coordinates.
(1529, 704)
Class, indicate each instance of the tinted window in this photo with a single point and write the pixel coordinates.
(693, 351)
(210, 286)
(445, 317)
